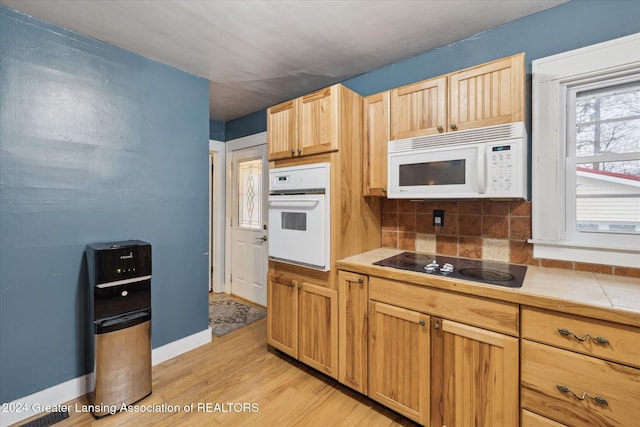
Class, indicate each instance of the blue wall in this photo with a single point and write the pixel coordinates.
(216, 130)
(96, 144)
(247, 125)
(569, 26)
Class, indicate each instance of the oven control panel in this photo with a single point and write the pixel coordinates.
(314, 176)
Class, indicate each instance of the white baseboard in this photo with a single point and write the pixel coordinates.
(59, 394)
(176, 348)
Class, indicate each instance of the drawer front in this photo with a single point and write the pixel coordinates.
(529, 419)
(611, 341)
(482, 312)
(553, 382)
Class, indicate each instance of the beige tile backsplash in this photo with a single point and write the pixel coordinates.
(487, 229)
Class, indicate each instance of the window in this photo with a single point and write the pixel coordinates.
(586, 154)
(603, 158)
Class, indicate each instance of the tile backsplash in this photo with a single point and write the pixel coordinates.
(482, 229)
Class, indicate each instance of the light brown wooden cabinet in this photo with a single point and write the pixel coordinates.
(579, 371)
(488, 94)
(309, 124)
(282, 316)
(282, 130)
(399, 355)
(484, 95)
(474, 376)
(376, 136)
(438, 371)
(302, 321)
(353, 312)
(419, 109)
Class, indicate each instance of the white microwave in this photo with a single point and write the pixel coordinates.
(488, 162)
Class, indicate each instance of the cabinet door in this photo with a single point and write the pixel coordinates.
(489, 94)
(474, 376)
(282, 130)
(319, 328)
(399, 360)
(353, 299)
(318, 121)
(419, 109)
(377, 134)
(282, 314)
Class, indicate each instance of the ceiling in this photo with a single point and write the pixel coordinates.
(259, 53)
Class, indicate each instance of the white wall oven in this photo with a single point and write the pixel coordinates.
(299, 220)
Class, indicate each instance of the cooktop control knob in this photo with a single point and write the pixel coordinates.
(447, 268)
(432, 267)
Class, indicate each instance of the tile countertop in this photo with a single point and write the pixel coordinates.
(601, 296)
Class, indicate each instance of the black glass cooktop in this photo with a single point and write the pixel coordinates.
(490, 272)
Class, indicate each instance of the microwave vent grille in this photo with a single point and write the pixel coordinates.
(464, 137)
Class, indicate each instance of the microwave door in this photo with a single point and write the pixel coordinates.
(450, 173)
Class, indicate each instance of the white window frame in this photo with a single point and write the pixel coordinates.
(553, 78)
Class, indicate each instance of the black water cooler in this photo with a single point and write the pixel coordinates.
(120, 303)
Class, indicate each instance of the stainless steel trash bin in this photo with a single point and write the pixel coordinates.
(120, 289)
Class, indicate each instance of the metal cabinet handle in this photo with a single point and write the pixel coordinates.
(299, 286)
(599, 340)
(299, 151)
(597, 399)
(421, 322)
(291, 285)
(454, 126)
(293, 153)
(436, 326)
(440, 129)
(360, 280)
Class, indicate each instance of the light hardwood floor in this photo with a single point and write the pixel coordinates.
(238, 368)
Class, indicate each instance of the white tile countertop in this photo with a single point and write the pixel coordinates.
(601, 296)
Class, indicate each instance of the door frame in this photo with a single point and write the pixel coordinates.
(217, 212)
(233, 145)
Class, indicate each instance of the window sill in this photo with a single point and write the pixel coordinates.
(580, 252)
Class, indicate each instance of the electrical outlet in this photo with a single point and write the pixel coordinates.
(438, 218)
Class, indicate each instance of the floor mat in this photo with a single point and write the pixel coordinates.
(227, 314)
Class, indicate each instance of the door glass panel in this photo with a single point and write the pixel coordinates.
(250, 194)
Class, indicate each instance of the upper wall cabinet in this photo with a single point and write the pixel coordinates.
(307, 125)
(376, 136)
(419, 109)
(282, 130)
(487, 95)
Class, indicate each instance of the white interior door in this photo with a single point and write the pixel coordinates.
(249, 262)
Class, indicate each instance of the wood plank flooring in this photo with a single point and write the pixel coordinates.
(244, 383)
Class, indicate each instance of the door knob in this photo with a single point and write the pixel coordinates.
(263, 238)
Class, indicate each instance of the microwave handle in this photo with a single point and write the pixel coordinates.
(482, 169)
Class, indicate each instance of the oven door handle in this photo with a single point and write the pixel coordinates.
(294, 203)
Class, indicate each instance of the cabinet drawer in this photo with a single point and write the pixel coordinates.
(483, 312)
(529, 419)
(611, 341)
(553, 382)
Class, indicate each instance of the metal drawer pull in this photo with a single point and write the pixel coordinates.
(596, 399)
(599, 340)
